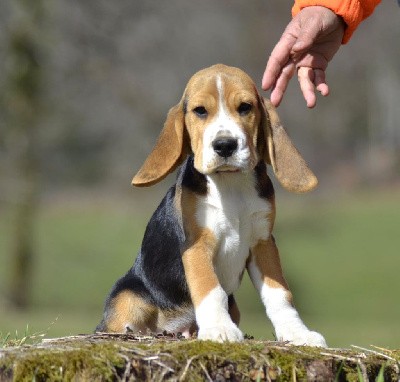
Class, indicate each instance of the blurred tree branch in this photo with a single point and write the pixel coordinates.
(23, 109)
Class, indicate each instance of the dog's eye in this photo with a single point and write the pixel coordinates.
(200, 111)
(244, 108)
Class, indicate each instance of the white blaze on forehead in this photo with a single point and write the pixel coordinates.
(223, 113)
(223, 117)
(220, 89)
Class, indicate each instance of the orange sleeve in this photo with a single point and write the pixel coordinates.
(352, 11)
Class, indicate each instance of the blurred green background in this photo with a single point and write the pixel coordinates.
(84, 90)
(340, 256)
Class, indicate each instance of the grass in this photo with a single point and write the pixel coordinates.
(20, 339)
(340, 255)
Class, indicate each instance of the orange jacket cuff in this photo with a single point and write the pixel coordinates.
(352, 11)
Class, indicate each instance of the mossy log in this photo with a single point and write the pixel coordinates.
(105, 357)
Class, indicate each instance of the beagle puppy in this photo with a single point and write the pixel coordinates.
(216, 221)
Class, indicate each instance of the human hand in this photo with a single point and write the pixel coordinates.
(308, 43)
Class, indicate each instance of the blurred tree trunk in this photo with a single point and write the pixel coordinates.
(23, 106)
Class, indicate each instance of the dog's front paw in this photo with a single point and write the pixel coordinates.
(221, 333)
(303, 337)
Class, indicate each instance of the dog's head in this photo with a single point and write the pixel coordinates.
(228, 127)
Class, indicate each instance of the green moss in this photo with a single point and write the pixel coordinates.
(251, 358)
(116, 357)
(89, 362)
(195, 358)
(288, 364)
(188, 349)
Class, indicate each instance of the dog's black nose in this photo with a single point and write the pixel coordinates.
(225, 147)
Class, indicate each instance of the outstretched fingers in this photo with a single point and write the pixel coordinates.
(311, 79)
(278, 60)
(281, 83)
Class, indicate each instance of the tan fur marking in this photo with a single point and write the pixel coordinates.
(199, 269)
(237, 92)
(267, 259)
(200, 91)
(198, 257)
(128, 309)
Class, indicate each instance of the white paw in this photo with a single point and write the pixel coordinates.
(303, 337)
(221, 333)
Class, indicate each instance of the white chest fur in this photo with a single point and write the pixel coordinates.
(238, 217)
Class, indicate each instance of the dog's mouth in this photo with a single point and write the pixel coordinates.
(227, 169)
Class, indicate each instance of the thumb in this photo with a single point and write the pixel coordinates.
(308, 33)
(305, 40)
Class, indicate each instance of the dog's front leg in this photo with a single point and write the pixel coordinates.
(209, 299)
(266, 274)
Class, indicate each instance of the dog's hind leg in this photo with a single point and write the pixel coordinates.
(128, 312)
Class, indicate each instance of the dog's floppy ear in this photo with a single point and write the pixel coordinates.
(168, 152)
(289, 167)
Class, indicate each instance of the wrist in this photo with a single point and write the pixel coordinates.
(349, 12)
